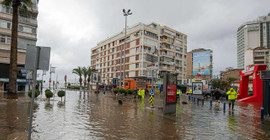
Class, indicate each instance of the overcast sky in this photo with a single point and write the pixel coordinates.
(72, 27)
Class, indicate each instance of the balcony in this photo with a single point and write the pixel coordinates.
(27, 20)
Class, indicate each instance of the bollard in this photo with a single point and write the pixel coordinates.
(197, 100)
(189, 98)
(224, 107)
(210, 103)
(262, 113)
(194, 99)
(202, 101)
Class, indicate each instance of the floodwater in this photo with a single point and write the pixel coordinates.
(93, 116)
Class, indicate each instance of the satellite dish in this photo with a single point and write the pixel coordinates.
(153, 49)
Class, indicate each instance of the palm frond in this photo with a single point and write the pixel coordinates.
(7, 2)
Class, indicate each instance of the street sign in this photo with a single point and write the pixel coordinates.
(151, 91)
(96, 77)
(29, 74)
(39, 55)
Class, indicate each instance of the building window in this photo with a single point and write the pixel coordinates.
(150, 34)
(150, 42)
(137, 65)
(137, 57)
(137, 41)
(137, 73)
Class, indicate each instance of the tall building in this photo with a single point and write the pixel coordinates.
(200, 64)
(27, 36)
(171, 50)
(251, 35)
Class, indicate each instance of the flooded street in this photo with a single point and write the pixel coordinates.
(90, 116)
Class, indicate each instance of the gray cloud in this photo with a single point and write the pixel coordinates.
(72, 28)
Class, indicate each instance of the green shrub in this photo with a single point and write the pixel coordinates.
(36, 93)
(122, 91)
(130, 91)
(48, 93)
(115, 91)
(47, 90)
(73, 87)
(61, 93)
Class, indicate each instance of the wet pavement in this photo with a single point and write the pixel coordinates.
(94, 116)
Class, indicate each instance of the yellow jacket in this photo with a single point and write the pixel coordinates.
(232, 94)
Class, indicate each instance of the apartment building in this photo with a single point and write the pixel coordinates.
(171, 52)
(251, 35)
(258, 56)
(27, 36)
(230, 73)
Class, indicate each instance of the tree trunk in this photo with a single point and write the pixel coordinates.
(88, 84)
(13, 50)
(80, 80)
(84, 83)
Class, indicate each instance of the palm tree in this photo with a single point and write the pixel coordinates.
(89, 72)
(15, 4)
(78, 71)
(85, 73)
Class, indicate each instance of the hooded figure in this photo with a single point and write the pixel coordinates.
(232, 95)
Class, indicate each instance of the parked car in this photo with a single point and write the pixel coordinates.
(207, 93)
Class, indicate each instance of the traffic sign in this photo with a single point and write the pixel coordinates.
(151, 91)
(151, 100)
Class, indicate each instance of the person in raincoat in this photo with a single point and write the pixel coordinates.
(232, 95)
(143, 93)
(139, 94)
(178, 93)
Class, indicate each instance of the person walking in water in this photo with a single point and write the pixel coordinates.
(232, 95)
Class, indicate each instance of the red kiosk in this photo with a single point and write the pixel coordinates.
(253, 71)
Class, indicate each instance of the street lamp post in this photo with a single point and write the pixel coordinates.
(52, 70)
(126, 14)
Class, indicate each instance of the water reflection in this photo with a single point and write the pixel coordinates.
(86, 115)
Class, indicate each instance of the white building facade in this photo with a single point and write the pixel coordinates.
(251, 35)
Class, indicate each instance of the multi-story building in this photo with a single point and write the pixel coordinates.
(200, 64)
(257, 56)
(27, 36)
(230, 73)
(171, 50)
(251, 35)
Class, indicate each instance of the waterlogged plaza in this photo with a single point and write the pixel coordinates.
(87, 115)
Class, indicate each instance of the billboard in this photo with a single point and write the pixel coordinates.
(201, 63)
(197, 87)
(170, 89)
